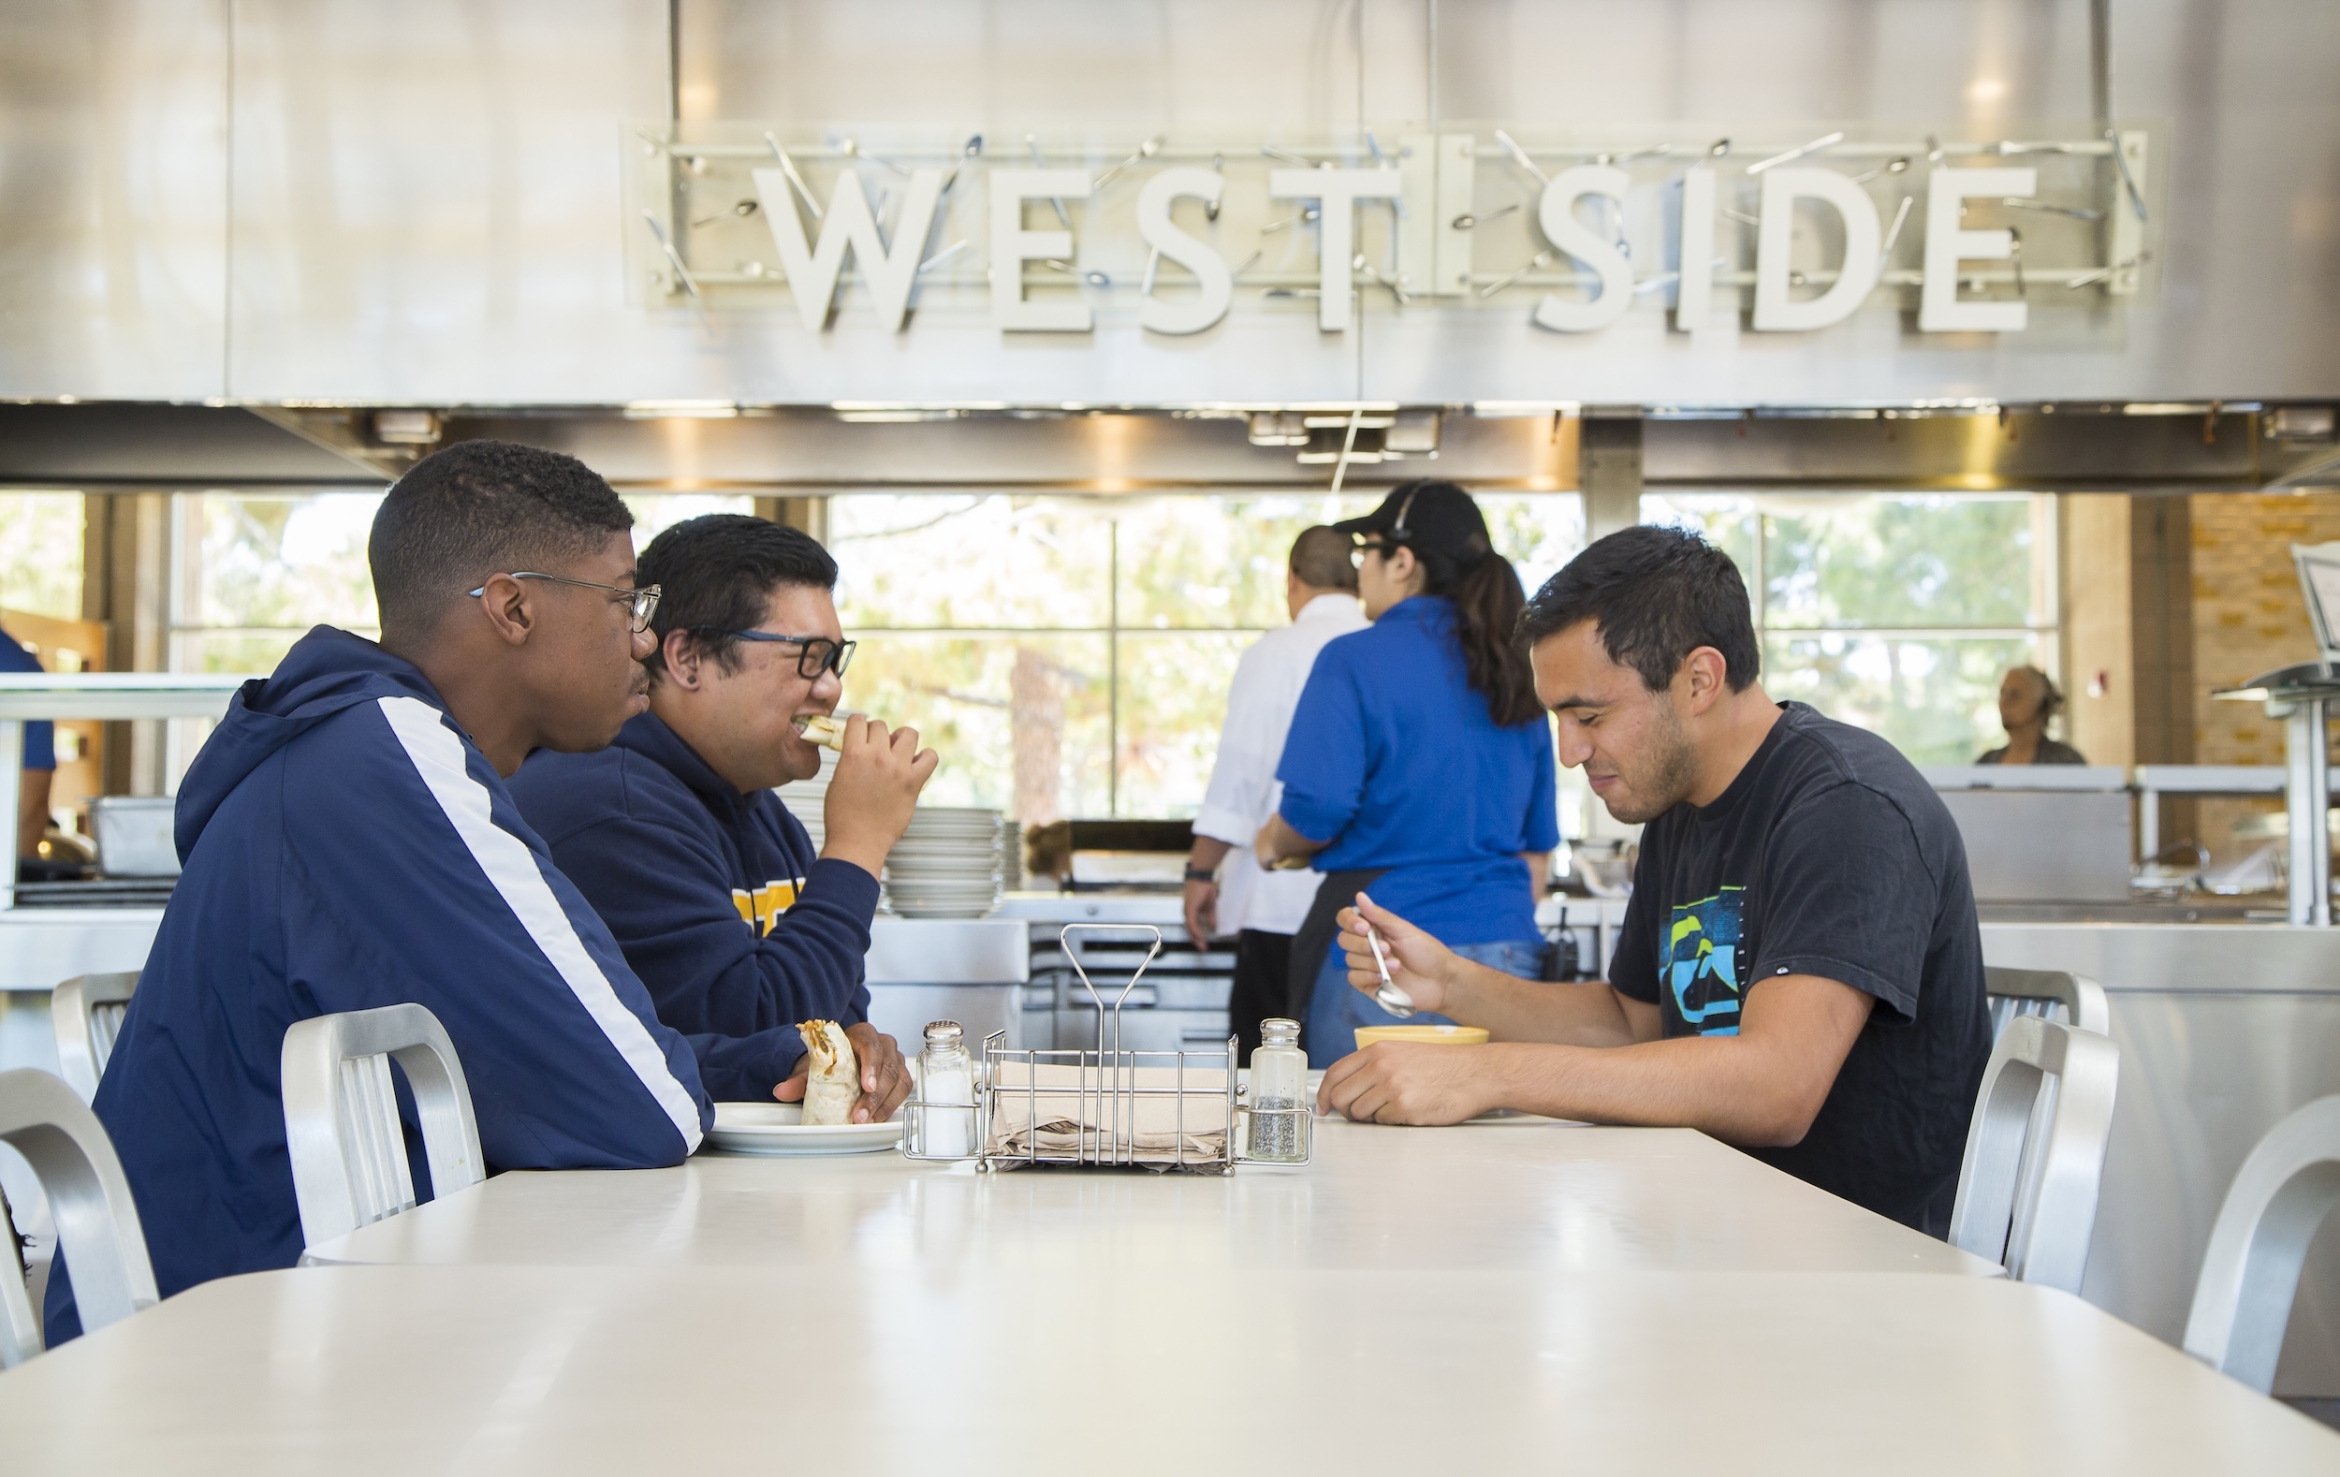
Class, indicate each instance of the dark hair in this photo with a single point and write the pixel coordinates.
(1487, 599)
(1321, 557)
(1654, 595)
(718, 571)
(2051, 697)
(476, 509)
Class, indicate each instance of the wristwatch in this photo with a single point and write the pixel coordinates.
(1201, 874)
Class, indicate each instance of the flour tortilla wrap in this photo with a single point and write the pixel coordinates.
(834, 1085)
(825, 731)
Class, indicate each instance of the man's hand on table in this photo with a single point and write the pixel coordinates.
(1418, 964)
(1410, 1082)
(885, 1077)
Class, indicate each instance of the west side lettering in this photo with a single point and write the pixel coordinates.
(888, 272)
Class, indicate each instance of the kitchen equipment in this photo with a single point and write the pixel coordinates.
(134, 835)
(1107, 1107)
(1429, 1035)
(2041, 833)
(1129, 855)
(2302, 696)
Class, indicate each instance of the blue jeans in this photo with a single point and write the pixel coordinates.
(1336, 1009)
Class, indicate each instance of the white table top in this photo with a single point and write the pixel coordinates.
(1528, 1194)
(359, 1370)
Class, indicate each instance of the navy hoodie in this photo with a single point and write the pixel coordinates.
(346, 847)
(717, 898)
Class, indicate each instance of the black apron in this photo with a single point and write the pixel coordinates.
(1315, 939)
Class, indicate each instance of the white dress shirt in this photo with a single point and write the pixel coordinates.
(1243, 791)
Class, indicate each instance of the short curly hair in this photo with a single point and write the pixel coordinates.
(481, 508)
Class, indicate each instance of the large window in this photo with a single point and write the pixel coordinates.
(1070, 656)
(40, 553)
(1895, 612)
(254, 571)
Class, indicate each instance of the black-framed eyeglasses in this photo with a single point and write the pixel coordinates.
(1369, 546)
(820, 654)
(644, 600)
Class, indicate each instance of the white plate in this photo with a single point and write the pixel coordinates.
(777, 1128)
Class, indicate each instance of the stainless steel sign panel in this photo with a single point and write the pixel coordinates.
(1569, 233)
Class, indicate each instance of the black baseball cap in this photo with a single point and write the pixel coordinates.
(1429, 518)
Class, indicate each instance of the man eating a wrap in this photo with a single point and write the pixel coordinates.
(732, 917)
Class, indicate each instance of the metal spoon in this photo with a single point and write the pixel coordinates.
(1389, 997)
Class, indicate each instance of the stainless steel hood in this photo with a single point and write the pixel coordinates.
(812, 451)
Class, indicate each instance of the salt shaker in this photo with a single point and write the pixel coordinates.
(944, 1126)
(1279, 1096)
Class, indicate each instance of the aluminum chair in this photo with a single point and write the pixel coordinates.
(2027, 1190)
(341, 1116)
(86, 1013)
(97, 1222)
(2020, 992)
(2242, 1301)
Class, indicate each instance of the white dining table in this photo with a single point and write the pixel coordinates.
(1519, 1195)
(939, 1368)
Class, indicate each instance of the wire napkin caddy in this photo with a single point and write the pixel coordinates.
(1106, 1107)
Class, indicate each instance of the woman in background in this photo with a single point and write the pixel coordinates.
(2027, 700)
(1419, 762)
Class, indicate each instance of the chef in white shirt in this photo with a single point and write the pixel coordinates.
(1264, 909)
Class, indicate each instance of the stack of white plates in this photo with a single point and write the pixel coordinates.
(808, 800)
(946, 865)
(1011, 854)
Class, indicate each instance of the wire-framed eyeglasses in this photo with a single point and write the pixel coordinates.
(644, 600)
(819, 654)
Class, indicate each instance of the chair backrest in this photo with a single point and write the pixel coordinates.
(97, 1222)
(86, 1013)
(2029, 991)
(341, 1116)
(2242, 1301)
(2027, 1190)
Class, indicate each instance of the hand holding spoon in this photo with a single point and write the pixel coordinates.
(1389, 997)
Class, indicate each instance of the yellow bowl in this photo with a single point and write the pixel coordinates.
(1435, 1035)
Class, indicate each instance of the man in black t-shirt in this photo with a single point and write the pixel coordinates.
(1800, 971)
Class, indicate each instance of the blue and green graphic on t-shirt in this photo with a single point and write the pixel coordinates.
(1701, 963)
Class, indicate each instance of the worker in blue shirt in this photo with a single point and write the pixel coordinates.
(40, 759)
(1419, 763)
(675, 835)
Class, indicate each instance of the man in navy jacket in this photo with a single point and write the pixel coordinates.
(348, 843)
(674, 833)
